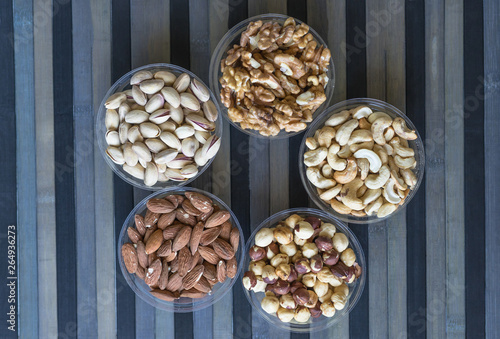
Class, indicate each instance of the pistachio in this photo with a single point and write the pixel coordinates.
(189, 101)
(182, 82)
(151, 86)
(134, 134)
(112, 138)
(168, 126)
(189, 171)
(199, 90)
(136, 171)
(155, 145)
(111, 120)
(200, 158)
(139, 96)
(167, 77)
(115, 154)
(201, 136)
(184, 131)
(211, 147)
(123, 110)
(174, 174)
(165, 156)
(199, 123)
(140, 76)
(160, 116)
(171, 96)
(189, 146)
(154, 103)
(149, 130)
(151, 174)
(142, 151)
(210, 111)
(123, 132)
(115, 100)
(129, 155)
(136, 117)
(171, 140)
(179, 161)
(176, 114)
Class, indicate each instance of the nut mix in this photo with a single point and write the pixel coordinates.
(162, 128)
(182, 246)
(275, 78)
(303, 266)
(360, 162)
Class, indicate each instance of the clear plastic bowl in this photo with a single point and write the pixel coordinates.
(181, 305)
(100, 129)
(355, 289)
(233, 37)
(375, 105)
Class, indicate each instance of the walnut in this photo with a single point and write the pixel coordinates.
(251, 30)
(290, 65)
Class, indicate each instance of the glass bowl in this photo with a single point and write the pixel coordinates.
(233, 37)
(375, 105)
(181, 305)
(355, 289)
(100, 129)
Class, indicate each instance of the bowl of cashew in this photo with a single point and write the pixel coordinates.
(362, 160)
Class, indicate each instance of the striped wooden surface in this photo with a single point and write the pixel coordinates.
(433, 271)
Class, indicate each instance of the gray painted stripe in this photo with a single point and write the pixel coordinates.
(26, 172)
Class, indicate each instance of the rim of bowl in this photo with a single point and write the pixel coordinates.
(380, 105)
(99, 127)
(355, 292)
(195, 304)
(226, 42)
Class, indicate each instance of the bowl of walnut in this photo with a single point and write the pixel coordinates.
(181, 250)
(362, 160)
(305, 270)
(272, 74)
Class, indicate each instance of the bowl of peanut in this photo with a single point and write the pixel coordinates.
(305, 270)
(272, 75)
(362, 160)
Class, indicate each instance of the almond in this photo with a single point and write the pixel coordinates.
(192, 277)
(165, 295)
(173, 199)
(174, 282)
(208, 254)
(171, 231)
(148, 233)
(190, 209)
(192, 293)
(210, 271)
(209, 236)
(182, 238)
(200, 202)
(171, 257)
(205, 216)
(226, 230)
(139, 224)
(195, 237)
(185, 217)
(195, 260)
(184, 261)
(174, 265)
(163, 280)
(140, 273)
(223, 249)
(221, 271)
(133, 235)
(166, 220)
(203, 285)
(154, 242)
(234, 238)
(217, 219)
(165, 249)
(129, 255)
(160, 206)
(151, 258)
(153, 272)
(141, 254)
(231, 267)
(150, 218)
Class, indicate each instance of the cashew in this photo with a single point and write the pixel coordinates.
(327, 171)
(338, 118)
(400, 150)
(361, 191)
(360, 135)
(409, 177)
(378, 128)
(392, 165)
(361, 112)
(381, 152)
(345, 152)
(366, 145)
(347, 175)
(374, 181)
(400, 183)
(388, 149)
(333, 160)
(374, 206)
(318, 180)
(404, 163)
(331, 193)
(325, 136)
(371, 195)
(376, 115)
(390, 194)
(344, 132)
(403, 195)
(386, 209)
(315, 157)
(312, 143)
(364, 167)
(400, 128)
(372, 157)
(350, 198)
(340, 207)
(364, 124)
(388, 134)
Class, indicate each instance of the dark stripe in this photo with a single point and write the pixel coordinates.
(356, 87)
(474, 168)
(297, 9)
(7, 161)
(179, 55)
(123, 192)
(64, 170)
(415, 217)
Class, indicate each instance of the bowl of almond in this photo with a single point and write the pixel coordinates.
(304, 270)
(180, 250)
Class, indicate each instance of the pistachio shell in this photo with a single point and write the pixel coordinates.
(142, 151)
(130, 156)
(182, 82)
(200, 123)
(190, 146)
(136, 171)
(201, 136)
(210, 111)
(199, 90)
(111, 120)
(151, 86)
(171, 96)
(143, 163)
(149, 130)
(139, 96)
(171, 140)
(168, 126)
(112, 138)
(155, 145)
(176, 114)
(189, 171)
(115, 154)
(161, 168)
(123, 132)
(184, 131)
(162, 177)
(174, 174)
(180, 161)
(165, 156)
(211, 147)
(123, 110)
(156, 102)
(167, 77)
(189, 101)
(115, 100)
(136, 117)
(150, 174)
(200, 158)
(134, 134)
(160, 116)
(140, 76)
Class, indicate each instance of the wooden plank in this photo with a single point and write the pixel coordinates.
(44, 130)
(104, 207)
(26, 172)
(454, 170)
(435, 171)
(492, 144)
